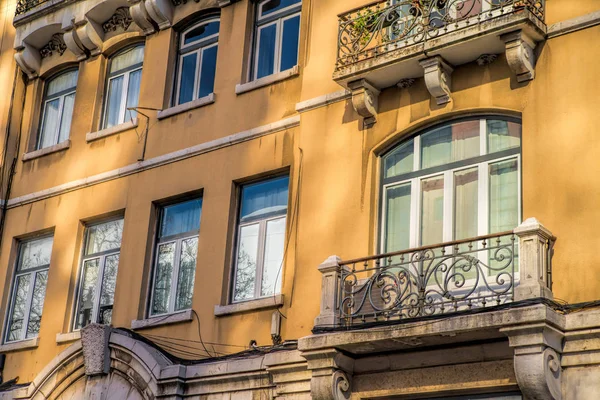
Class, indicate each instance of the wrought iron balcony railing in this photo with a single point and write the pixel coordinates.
(387, 25)
(25, 5)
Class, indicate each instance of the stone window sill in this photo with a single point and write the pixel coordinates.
(113, 130)
(267, 80)
(203, 101)
(68, 337)
(252, 305)
(20, 345)
(180, 316)
(47, 150)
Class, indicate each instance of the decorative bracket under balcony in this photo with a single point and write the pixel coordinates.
(365, 100)
(438, 78)
(520, 54)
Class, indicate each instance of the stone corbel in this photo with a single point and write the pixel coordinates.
(73, 41)
(438, 74)
(331, 374)
(161, 12)
(140, 16)
(537, 359)
(520, 55)
(365, 99)
(29, 60)
(89, 37)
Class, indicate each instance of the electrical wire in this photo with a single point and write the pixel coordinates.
(199, 332)
(197, 341)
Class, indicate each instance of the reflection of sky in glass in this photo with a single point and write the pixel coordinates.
(181, 218)
(162, 281)
(275, 237)
(264, 198)
(246, 263)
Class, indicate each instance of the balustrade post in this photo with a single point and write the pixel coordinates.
(535, 255)
(330, 291)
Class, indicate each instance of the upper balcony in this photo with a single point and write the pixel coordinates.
(393, 42)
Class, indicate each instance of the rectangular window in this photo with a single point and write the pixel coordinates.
(99, 265)
(29, 289)
(175, 257)
(261, 233)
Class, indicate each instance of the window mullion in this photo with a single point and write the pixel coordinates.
(483, 137)
(198, 72)
(415, 205)
(278, 44)
(98, 289)
(175, 277)
(28, 305)
(262, 227)
(483, 207)
(61, 104)
(123, 104)
(180, 78)
(448, 217)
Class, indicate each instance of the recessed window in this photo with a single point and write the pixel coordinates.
(57, 109)
(175, 257)
(99, 265)
(276, 37)
(29, 289)
(197, 61)
(456, 181)
(260, 239)
(123, 87)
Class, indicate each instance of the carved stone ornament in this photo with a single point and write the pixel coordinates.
(539, 375)
(365, 100)
(96, 355)
(29, 60)
(520, 55)
(121, 18)
(56, 44)
(406, 83)
(486, 59)
(438, 75)
(341, 386)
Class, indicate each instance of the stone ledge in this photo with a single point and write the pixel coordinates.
(68, 337)
(574, 24)
(180, 316)
(267, 80)
(20, 345)
(190, 105)
(322, 101)
(113, 130)
(252, 305)
(47, 150)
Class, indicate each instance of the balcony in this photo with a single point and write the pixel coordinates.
(487, 272)
(394, 42)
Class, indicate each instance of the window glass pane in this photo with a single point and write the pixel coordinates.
(162, 278)
(266, 51)
(67, 116)
(264, 198)
(103, 237)
(15, 324)
(37, 304)
(289, 44)
(129, 57)
(87, 294)
(203, 31)
(274, 247)
(450, 143)
(273, 6)
(113, 106)
(49, 124)
(181, 218)
(133, 93)
(504, 200)
(188, 75)
(63, 82)
(35, 253)
(399, 161)
(207, 77)
(107, 294)
(465, 203)
(397, 218)
(246, 263)
(432, 210)
(187, 272)
(503, 135)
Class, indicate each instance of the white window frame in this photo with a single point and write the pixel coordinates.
(276, 18)
(125, 72)
(197, 48)
(177, 239)
(33, 272)
(47, 99)
(101, 265)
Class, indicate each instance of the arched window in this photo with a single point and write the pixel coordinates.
(123, 88)
(276, 37)
(456, 181)
(197, 61)
(57, 111)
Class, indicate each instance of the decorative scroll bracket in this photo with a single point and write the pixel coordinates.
(161, 12)
(365, 100)
(139, 14)
(537, 360)
(331, 374)
(438, 75)
(520, 55)
(29, 60)
(535, 245)
(73, 41)
(330, 284)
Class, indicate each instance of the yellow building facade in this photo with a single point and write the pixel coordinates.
(288, 199)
